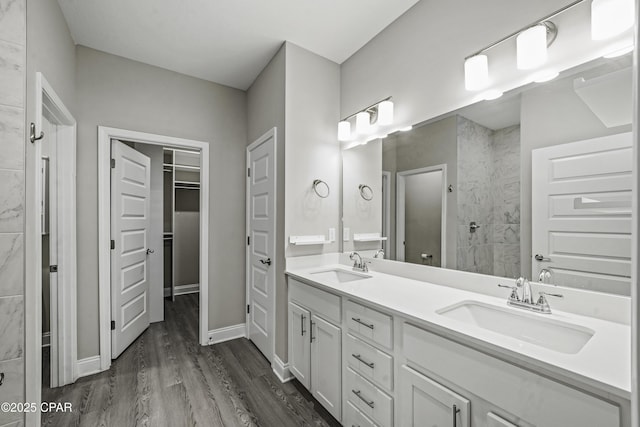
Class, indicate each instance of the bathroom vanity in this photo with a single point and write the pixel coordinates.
(379, 349)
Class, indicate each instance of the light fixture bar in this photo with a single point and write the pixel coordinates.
(366, 109)
(515, 33)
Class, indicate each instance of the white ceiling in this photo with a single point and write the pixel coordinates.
(226, 41)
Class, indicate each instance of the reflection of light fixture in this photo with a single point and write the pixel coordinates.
(363, 122)
(406, 128)
(385, 113)
(476, 72)
(344, 131)
(531, 47)
(611, 17)
(619, 51)
(492, 94)
(544, 76)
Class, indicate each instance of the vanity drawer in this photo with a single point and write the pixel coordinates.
(354, 418)
(370, 324)
(369, 399)
(494, 420)
(505, 385)
(323, 303)
(371, 363)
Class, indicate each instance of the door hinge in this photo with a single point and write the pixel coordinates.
(53, 269)
(113, 325)
(113, 163)
(248, 172)
(248, 240)
(248, 309)
(113, 244)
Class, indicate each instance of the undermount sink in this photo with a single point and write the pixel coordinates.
(338, 275)
(535, 329)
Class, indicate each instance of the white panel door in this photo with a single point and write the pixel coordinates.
(326, 364)
(426, 402)
(130, 222)
(261, 249)
(300, 344)
(581, 213)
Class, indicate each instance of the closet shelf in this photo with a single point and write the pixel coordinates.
(368, 237)
(308, 240)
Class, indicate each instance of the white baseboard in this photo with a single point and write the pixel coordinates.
(88, 366)
(227, 334)
(281, 370)
(182, 289)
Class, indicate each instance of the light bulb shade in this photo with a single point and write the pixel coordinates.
(611, 17)
(344, 131)
(476, 72)
(363, 123)
(531, 45)
(385, 113)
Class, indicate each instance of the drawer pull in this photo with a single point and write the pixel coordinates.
(302, 317)
(370, 403)
(357, 319)
(311, 331)
(360, 359)
(455, 411)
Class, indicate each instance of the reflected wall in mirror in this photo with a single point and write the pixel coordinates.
(571, 136)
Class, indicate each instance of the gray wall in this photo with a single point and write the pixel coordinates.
(12, 202)
(266, 110)
(551, 114)
(117, 92)
(429, 145)
(418, 59)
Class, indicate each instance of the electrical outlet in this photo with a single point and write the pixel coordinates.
(345, 234)
(332, 234)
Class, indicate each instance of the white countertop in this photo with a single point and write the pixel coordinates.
(603, 365)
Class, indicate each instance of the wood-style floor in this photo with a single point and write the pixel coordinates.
(165, 378)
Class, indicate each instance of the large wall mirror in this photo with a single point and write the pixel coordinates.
(535, 183)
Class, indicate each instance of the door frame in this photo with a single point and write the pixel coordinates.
(386, 213)
(65, 323)
(105, 135)
(400, 210)
(272, 133)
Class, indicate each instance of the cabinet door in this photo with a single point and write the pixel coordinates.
(423, 401)
(300, 344)
(326, 367)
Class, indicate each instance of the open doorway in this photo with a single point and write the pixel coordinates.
(421, 215)
(133, 170)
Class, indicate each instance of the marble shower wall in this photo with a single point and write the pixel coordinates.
(12, 202)
(475, 164)
(489, 194)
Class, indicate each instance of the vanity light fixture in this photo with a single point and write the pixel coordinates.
(544, 76)
(476, 72)
(531, 45)
(611, 17)
(344, 131)
(367, 122)
(490, 95)
(406, 128)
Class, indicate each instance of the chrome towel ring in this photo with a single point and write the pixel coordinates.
(321, 188)
(365, 192)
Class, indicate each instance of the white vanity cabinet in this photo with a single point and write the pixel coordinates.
(315, 343)
(436, 365)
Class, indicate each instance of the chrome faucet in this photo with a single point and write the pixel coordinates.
(379, 253)
(524, 299)
(358, 264)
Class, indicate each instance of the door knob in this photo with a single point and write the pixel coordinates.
(266, 261)
(150, 251)
(541, 258)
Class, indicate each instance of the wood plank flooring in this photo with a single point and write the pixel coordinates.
(165, 378)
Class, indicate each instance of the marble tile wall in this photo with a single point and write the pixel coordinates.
(475, 165)
(489, 194)
(12, 202)
(505, 179)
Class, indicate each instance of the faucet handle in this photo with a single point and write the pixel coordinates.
(514, 291)
(542, 301)
(542, 294)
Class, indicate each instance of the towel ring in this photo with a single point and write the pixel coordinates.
(365, 192)
(321, 188)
